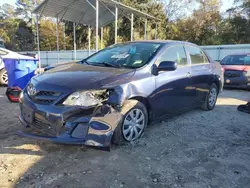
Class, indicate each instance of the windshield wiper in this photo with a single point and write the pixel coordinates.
(83, 61)
(106, 64)
(111, 65)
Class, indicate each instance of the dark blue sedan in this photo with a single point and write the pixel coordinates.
(114, 94)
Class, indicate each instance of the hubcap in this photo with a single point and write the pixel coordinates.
(5, 77)
(133, 125)
(212, 97)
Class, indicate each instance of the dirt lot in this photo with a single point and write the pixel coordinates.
(196, 149)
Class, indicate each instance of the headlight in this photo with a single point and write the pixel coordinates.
(248, 73)
(86, 98)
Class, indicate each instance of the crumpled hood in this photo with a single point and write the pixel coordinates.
(78, 76)
(237, 67)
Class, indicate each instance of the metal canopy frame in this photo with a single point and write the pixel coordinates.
(87, 12)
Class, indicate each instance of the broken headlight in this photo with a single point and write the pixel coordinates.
(86, 98)
(248, 75)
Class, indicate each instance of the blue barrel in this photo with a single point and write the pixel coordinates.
(20, 71)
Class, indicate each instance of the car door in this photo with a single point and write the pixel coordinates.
(201, 70)
(173, 88)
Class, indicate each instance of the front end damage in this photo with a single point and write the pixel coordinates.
(77, 125)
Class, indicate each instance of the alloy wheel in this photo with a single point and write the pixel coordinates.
(212, 97)
(5, 77)
(133, 125)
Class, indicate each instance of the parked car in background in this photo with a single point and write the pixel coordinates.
(114, 94)
(4, 53)
(237, 70)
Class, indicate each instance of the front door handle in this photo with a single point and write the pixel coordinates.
(189, 74)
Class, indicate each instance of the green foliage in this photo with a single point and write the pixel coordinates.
(24, 8)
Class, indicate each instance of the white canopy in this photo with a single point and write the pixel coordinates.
(93, 13)
(84, 11)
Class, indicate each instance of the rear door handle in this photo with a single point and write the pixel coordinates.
(189, 74)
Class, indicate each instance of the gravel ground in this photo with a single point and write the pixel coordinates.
(196, 149)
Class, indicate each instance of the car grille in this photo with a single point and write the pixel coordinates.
(48, 93)
(43, 128)
(45, 97)
(232, 74)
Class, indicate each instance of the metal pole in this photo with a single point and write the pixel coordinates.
(132, 26)
(97, 25)
(101, 37)
(156, 31)
(57, 39)
(38, 42)
(64, 37)
(74, 32)
(89, 38)
(116, 20)
(145, 30)
(38, 45)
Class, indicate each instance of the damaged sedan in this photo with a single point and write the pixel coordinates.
(112, 96)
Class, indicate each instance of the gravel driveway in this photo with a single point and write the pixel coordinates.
(196, 149)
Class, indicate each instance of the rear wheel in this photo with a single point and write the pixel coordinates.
(211, 98)
(133, 124)
(3, 77)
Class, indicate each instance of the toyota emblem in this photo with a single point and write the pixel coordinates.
(31, 90)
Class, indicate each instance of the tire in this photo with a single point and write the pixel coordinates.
(211, 98)
(3, 77)
(131, 107)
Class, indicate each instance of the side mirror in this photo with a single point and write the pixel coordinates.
(167, 66)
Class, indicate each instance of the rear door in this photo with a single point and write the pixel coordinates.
(202, 72)
(173, 88)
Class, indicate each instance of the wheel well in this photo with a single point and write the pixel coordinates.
(217, 83)
(144, 101)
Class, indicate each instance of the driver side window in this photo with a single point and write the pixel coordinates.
(174, 53)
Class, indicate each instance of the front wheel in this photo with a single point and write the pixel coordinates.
(3, 77)
(133, 124)
(211, 98)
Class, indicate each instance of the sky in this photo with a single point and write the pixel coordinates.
(12, 2)
(225, 3)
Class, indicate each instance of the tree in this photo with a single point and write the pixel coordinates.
(6, 11)
(24, 8)
(48, 40)
(176, 9)
(201, 27)
(242, 6)
(24, 37)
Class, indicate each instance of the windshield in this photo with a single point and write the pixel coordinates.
(236, 60)
(127, 55)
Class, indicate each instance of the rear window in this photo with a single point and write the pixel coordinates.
(236, 60)
(196, 55)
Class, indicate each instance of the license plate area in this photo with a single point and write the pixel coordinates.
(28, 115)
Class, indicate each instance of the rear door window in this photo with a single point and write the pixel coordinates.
(197, 56)
(174, 53)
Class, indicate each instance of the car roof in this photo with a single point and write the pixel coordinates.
(238, 54)
(165, 42)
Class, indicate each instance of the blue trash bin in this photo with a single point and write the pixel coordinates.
(20, 71)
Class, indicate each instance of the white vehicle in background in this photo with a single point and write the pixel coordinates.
(4, 53)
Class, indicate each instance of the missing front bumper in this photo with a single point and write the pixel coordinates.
(77, 129)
